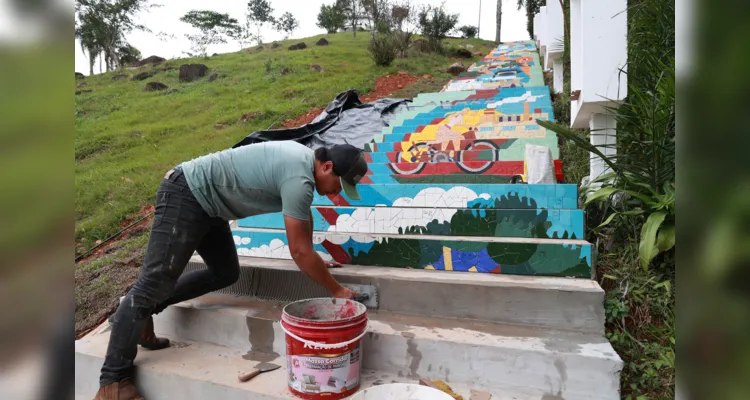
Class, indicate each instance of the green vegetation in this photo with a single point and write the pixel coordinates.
(633, 213)
(126, 139)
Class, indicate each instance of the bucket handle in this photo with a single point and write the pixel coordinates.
(319, 346)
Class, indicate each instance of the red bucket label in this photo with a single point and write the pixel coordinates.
(324, 374)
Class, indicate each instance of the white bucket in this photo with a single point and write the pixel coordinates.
(401, 391)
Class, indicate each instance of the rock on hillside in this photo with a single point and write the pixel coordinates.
(191, 72)
(463, 53)
(298, 46)
(322, 42)
(153, 60)
(456, 69)
(143, 76)
(155, 86)
(80, 75)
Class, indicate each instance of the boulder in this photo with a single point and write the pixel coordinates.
(120, 77)
(80, 75)
(456, 69)
(285, 70)
(83, 91)
(275, 46)
(143, 76)
(213, 77)
(191, 72)
(298, 46)
(155, 86)
(322, 42)
(316, 67)
(214, 55)
(153, 60)
(463, 53)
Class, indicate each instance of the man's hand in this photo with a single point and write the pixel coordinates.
(333, 264)
(344, 293)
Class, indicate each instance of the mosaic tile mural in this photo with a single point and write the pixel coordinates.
(563, 196)
(534, 257)
(437, 193)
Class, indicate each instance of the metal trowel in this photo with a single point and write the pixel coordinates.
(365, 294)
(259, 369)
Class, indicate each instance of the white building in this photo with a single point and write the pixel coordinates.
(598, 57)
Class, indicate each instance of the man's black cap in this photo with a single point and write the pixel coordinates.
(349, 164)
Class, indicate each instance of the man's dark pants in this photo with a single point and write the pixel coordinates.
(180, 227)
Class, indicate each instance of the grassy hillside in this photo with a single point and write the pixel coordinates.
(126, 139)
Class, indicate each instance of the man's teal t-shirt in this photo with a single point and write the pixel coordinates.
(254, 179)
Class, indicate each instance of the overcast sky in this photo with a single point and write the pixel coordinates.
(167, 19)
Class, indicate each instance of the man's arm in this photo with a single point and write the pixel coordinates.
(312, 226)
(308, 260)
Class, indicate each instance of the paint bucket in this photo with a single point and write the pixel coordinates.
(323, 347)
(401, 391)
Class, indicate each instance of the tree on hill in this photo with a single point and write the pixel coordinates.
(287, 24)
(498, 20)
(331, 18)
(468, 31)
(378, 15)
(101, 26)
(353, 13)
(214, 28)
(128, 54)
(435, 23)
(259, 12)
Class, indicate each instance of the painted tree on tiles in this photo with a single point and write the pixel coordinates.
(499, 218)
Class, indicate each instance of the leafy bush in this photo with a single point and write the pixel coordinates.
(468, 31)
(382, 49)
(401, 41)
(435, 24)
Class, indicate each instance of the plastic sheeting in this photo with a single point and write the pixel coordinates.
(345, 120)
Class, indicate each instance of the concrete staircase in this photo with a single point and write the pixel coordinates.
(482, 283)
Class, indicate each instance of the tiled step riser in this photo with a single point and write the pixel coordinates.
(376, 172)
(509, 149)
(503, 255)
(561, 196)
(471, 95)
(388, 220)
(407, 352)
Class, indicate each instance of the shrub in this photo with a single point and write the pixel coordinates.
(468, 31)
(382, 49)
(401, 41)
(435, 24)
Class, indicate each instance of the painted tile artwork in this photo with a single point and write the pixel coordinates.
(437, 195)
(563, 196)
(407, 251)
(437, 221)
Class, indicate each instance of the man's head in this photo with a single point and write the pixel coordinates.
(339, 167)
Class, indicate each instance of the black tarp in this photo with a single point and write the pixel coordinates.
(345, 120)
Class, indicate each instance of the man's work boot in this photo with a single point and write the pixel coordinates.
(148, 338)
(123, 390)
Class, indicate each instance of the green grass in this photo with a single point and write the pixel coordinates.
(126, 139)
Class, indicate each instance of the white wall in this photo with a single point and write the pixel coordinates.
(555, 32)
(598, 53)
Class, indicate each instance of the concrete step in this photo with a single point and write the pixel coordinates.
(562, 196)
(478, 354)
(558, 303)
(199, 371)
(462, 221)
(484, 254)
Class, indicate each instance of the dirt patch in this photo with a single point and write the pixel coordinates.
(384, 86)
(100, 281)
